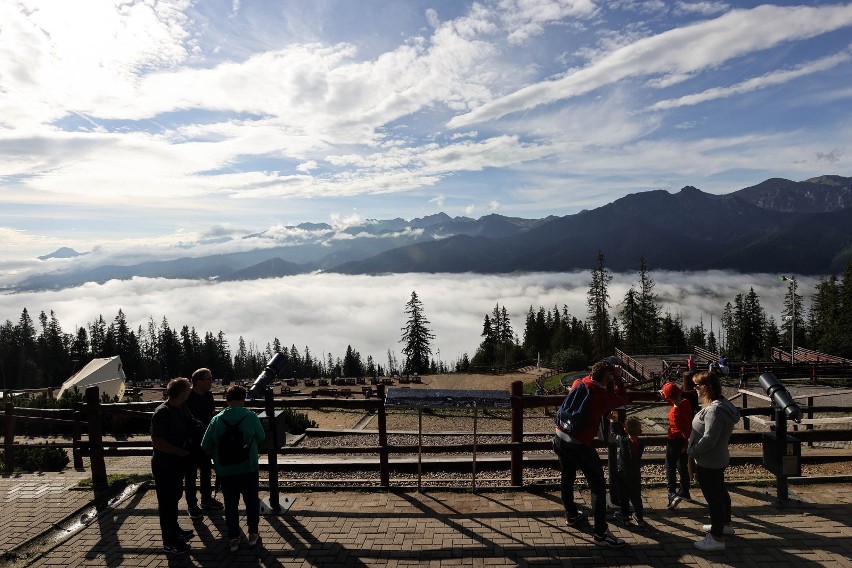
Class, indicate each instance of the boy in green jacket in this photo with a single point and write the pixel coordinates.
(240, 478)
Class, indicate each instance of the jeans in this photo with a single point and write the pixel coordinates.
(585, 458)
(247, 485)
(630, 491)
(712, 483)
(168, 476)
(676, 465)
(199, 465)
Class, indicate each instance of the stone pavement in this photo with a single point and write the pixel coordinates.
(436, 528)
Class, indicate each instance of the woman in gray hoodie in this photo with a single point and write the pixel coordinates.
(709, 456)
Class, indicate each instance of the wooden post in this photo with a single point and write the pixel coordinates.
(384, 468)
(76, 436)
(96, 442)
(810, 415)
(9, 434)
(517, 453)
(746, 423)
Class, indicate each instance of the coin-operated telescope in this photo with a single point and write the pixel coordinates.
(782, 454)
(265, 378)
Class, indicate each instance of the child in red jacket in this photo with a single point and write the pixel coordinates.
(680, 427)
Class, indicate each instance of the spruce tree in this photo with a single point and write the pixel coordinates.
(416, 337)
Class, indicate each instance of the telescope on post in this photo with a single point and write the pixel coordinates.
(267, 376)
(782, 454)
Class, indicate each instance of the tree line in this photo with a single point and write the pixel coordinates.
(43, 355)
(639, 325)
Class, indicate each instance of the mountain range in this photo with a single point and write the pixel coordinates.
(779, 225)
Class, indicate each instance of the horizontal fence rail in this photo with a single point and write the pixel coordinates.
(87, 418)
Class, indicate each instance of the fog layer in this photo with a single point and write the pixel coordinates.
(327, 312)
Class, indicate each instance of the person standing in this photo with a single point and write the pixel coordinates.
(202, 406)
(709, 457)
(629, 474)
(690, 364)
(171, 428)
(680, 427)
(240, 478)
(576, 450)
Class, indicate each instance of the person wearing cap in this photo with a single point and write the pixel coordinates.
(577, 451)
(680, 427)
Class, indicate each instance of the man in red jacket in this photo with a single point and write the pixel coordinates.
(576, 451)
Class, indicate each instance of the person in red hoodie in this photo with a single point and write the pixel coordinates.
(680, 427)
(577, 451)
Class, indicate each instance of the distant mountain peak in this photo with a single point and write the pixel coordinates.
(62, 252)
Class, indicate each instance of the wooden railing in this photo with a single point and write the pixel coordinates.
(88, 419)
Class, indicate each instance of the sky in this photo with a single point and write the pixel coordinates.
(329, 312)
(138, 129)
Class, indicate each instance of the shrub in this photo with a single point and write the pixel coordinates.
(38, 459)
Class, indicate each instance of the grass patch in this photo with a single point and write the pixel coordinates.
(550, 384)
(117, 479)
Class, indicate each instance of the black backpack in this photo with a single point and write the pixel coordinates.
(232, 447)
(571, 416)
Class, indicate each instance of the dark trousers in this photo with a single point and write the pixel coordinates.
(630, 491)
(198, 466)
(585, 458)
(712, 483)
(168, 476)
(676, 465)
(247, 485)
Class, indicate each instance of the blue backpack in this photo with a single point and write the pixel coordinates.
(571, 416)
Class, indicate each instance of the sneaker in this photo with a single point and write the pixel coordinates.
(709, 544)
(194, 512)
(674, 499)
(179, 548)
(642, 524)
(576, 520)
(234, 544)
(726, 529)
(683, 493)
(211, 505)
(621, 517)
(185, 534)
(608, 539)
(253, 538)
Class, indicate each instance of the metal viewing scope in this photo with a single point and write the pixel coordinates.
(780, 396)
(265, 378)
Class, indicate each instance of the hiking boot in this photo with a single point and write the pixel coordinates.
(194, 512)
(211, 504)
(234, 543)
(253, 538)
(710, 544)
(726, 529)
(179, 548)
(576, 520)
(608, 539)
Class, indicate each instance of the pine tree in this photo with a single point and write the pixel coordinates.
(598, 303)
(416, 337)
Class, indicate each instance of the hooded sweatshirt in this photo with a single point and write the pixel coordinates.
(711, 431)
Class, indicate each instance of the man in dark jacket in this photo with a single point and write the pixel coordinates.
(576, 451)
(171, 428)
(202, 406)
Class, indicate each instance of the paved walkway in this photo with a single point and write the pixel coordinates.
(436, 528)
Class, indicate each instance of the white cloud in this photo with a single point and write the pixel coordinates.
(328, 312)
(681, 51)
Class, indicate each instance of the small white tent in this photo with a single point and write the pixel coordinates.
(107, 374)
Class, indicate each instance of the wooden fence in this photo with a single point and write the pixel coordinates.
(88, 418)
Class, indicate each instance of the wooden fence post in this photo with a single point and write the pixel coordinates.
(9, 433)
(517, 453)
(76, 437)
(746, 423)
(96, 443)
(384, 468)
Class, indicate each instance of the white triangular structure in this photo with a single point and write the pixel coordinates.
(107, 374)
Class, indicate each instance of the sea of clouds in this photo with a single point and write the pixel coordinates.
(328, 312)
